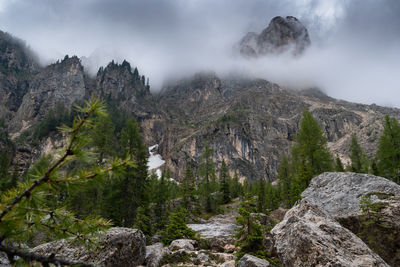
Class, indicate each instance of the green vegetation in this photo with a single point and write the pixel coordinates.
(26, 206)
(388, 154)
(309, 157)
(176, 228)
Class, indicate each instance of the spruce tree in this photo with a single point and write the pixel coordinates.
(388, 154)
(261, 197)
(207, 171)
(285, 181)
(359, 160)
(236, 187)
(135, 182)
(250, 233)
(310, 153)
(338, 165)
(224, 184)
(188, 189)
(176, 228)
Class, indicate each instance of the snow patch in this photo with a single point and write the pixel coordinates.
(155, 160)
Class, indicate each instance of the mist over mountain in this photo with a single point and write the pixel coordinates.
(354, 53)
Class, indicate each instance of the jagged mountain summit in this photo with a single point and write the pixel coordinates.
(281, 35)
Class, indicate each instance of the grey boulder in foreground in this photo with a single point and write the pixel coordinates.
(344, 196)
(308, 236)
(119, 247)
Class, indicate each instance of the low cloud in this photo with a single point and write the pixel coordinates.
(355, 53)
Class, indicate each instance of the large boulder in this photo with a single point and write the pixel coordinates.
(367, 205)
(119, 247)
(154, 254)
(308, 236)
(251, 261)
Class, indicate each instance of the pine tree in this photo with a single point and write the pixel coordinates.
(388, 154)
(143, 221)
(225, 181)
(160, 199)
(310, 153)
(261, 197)
(135, 182)
(250, 233)
(24, 210)
(207, 171)
(236, 187)
(357, 156)
(176, 228)
(285, 181)
(188, 188)
(339, 165)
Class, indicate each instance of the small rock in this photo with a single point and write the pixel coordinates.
(203, 257)
(186, 244)
(228, 264)
(4, 262)
(225, 256)
(154, 254)
(218, 243)
(251, 261)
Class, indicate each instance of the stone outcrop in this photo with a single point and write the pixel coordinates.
(62, 82)
(367, 205)
(251, 261)
(282, 34)
(119, 247)
(308, 236)
(154, 254)
(185, 244)
(17, 66)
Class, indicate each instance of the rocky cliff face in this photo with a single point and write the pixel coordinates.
(282, 34)
(250, 123)
(59, 82)
(17, 65)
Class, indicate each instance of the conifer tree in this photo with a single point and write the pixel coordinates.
(207, 171)
(225, 181)
(261, 197)
(176, 227)
(310, 153)
(188, 188)
(250, 233)
(388, 154)
(23, 209)
(285, 181)
(359, 160)
(236, 186)
(339, 165)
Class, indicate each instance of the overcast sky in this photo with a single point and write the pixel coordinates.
(355, 53)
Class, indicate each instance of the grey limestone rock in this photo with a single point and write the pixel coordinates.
(308, 236)
(344, 196)
(251, 261)
(119, 247)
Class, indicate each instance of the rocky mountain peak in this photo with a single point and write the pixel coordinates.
(15, 55)
(119, 81)
(281, 35)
